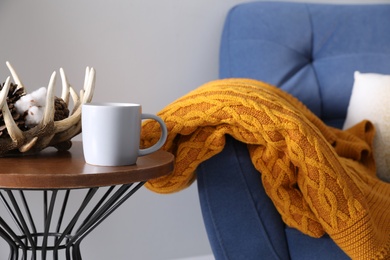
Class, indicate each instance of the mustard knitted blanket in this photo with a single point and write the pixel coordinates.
(321, 179)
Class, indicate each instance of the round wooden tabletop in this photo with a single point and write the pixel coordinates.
(52, 169)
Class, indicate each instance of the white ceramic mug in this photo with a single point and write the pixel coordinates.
(111, 133)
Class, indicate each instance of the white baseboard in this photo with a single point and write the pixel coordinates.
(203, 257)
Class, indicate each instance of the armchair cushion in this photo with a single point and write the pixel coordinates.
(370, 100)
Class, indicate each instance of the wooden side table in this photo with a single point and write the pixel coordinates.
(57, 226)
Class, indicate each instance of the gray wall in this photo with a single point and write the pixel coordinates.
(149, 52)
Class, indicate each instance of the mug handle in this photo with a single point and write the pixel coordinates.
(163, 137)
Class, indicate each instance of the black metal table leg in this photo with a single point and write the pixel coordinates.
(58, 227)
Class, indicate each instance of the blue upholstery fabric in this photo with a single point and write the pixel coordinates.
(243, 223)
(303, 247)
(310, 51)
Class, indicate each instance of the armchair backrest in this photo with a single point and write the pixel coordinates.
(309, 50)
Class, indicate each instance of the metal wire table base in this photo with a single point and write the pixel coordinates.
(56, 225)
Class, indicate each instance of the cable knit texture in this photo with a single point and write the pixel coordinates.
(321, 179)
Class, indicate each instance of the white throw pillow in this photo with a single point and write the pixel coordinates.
(370, 99)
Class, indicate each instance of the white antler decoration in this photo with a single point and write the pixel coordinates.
(48, 132)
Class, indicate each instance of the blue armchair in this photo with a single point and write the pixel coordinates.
(310, 51)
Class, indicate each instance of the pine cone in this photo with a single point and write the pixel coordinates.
(14, 94)
(61, 109)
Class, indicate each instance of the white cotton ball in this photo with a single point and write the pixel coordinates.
(23, 104)
(34, 115)
(38, 97)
